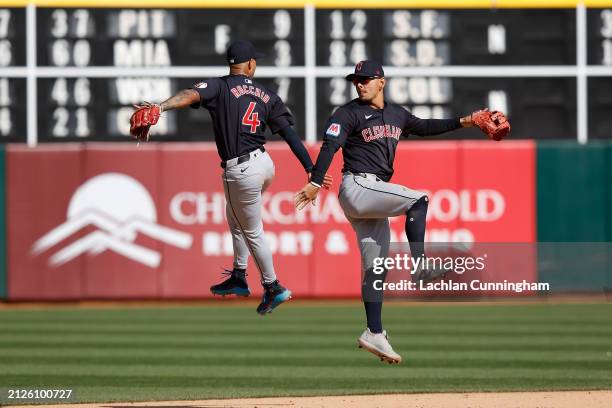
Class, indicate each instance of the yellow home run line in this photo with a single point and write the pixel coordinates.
(348, 4)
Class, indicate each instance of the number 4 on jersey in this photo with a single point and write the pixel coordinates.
(251, 118)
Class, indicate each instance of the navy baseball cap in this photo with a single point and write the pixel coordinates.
(367, 69)
(241, 51)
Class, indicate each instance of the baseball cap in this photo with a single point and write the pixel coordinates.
(241, 51)
(367, 69)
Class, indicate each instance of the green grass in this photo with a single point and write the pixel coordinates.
(223, 350)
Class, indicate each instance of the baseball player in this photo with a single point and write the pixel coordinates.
(368, 130)
(241, 110)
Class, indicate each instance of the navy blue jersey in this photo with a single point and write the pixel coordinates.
(241, 111)
(369, 137)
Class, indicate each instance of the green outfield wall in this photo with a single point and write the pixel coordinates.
(574, 185)
(574, 207)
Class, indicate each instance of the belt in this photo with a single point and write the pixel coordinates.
(241, 159)
(370, 176)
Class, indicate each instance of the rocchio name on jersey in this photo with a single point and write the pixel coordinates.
(378, 132)
(240, 90)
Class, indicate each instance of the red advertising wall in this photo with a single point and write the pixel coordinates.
(115, 221)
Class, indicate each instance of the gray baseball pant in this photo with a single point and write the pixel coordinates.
(368, 202)
(244, 184)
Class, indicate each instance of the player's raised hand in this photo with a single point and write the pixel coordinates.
(307, 195)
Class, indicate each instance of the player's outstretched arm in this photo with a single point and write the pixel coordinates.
(183, 99)
(299, 150)
(494, 124)
(147, 114)
(290, 136)
(430, 127)
(338, 126)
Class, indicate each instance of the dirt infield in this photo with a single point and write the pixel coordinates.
(562, 399)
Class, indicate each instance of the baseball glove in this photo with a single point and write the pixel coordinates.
(146, 115)
(493, 124)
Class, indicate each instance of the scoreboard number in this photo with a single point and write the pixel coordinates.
(6, 56)
(6, 123)
(90, 64)
(606, 33)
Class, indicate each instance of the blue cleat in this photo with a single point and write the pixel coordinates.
(274, 295)
(234, 285)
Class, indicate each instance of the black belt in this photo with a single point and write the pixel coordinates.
(244, 158)
(364, 175)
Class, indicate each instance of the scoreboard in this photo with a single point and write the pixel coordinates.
(71, 71)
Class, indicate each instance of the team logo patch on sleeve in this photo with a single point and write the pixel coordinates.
(333, 130)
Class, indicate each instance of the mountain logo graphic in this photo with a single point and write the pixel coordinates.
(120, 208)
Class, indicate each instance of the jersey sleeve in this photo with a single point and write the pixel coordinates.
(208, 90)
(279, 116)
(428, 127)
(338, 127)
(297, 147)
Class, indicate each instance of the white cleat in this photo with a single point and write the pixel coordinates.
(428, 275)
(378, 344)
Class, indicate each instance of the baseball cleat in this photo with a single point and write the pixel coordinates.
(428, 275)
(274, 295)
(233, 285)
(378, 344)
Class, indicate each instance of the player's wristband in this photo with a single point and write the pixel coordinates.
(315, 184)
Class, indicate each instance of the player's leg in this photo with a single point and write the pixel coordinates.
(243, 195)
(416, 220)
(241, 251)
(269, 173)
(373, 236)
(274, 293)
(243, 185)
(236, 283)
(372, 197)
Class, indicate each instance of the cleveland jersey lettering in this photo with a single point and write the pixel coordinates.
(377, 132)
(368, 137)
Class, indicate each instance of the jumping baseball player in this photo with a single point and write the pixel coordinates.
(241, 110)
(368, 130)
